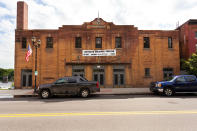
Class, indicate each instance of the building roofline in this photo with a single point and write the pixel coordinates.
(190, 22)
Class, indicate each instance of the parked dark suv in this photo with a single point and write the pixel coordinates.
(73, 85)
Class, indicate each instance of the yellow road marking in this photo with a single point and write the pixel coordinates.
(101, 113)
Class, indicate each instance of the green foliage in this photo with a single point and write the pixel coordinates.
(7, 72)
(190, 65)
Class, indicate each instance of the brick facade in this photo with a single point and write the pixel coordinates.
(133, 65)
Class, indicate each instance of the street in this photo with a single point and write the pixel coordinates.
(100, 113)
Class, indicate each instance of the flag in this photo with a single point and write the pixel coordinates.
(29, 52)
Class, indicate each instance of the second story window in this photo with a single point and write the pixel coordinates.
(146, 42)
(77, 42)
(169, 42)
(49, 42)
(147, 72)
(24, 42)
(118, 41)
(98, 42)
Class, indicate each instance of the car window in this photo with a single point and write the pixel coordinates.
(72, 80)
(190, 78)
(61, 80)
(181, 79)
(83, 79)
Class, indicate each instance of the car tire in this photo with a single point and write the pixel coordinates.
(168, 92)
(84, 93)
(45, 94)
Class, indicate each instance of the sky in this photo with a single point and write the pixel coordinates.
(51, 14)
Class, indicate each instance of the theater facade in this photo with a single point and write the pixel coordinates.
(118, 56)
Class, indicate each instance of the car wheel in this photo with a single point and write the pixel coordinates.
(168, 92)
(84, 93)
(45, 94)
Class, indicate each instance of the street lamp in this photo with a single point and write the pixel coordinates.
(36, 44)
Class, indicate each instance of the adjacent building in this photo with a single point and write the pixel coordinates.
(117, 56)
(188, 38)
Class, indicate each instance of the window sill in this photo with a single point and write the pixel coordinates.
(78, 48)
(146, 49)
(147, 76)
(24, 49)
(171, 49)
(118, 48)
(98, 48)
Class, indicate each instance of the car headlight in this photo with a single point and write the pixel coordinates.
(159, 85)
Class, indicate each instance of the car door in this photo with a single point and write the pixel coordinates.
(181, 84)
(192, 83)
(58, 86)
(71, 85)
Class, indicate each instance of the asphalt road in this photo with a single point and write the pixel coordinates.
(100, 113)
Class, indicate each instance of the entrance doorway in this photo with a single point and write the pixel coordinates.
(26, 78)
(78, 71)
(99, 74)
(119, 76)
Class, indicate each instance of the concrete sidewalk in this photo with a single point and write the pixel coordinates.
(104, 91)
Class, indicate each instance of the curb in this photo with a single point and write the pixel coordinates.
(20, 96)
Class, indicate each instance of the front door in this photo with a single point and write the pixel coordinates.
(119, 77)
(26, 78)
(99, 75)
(78, 71)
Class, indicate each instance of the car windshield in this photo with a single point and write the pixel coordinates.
(61, 80)
(173, 78)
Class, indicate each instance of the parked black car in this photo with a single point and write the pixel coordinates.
(73, 85)
(180, 83)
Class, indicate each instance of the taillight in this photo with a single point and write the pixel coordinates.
(97, 84)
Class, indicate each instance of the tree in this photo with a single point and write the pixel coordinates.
(190, 65)
(7, 72)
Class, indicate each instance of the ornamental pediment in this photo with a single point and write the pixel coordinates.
(97, 23)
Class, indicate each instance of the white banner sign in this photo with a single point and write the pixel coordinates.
(109, 52)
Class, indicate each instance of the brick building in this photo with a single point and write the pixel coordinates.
(137, 57)
(188, 38)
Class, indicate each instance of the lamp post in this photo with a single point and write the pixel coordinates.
(36, 44)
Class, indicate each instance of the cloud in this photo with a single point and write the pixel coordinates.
(50, 14)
